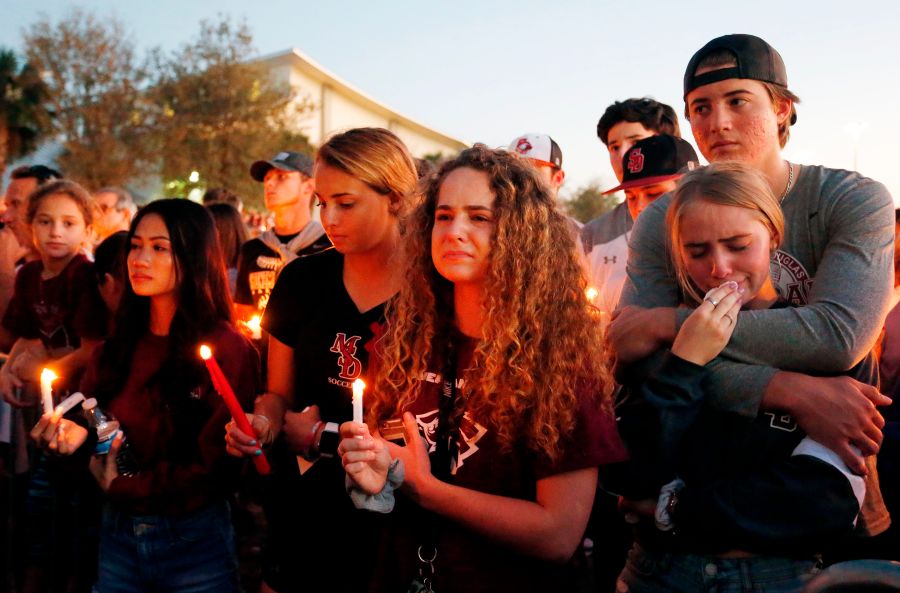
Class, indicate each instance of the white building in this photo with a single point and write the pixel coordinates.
(339, 106)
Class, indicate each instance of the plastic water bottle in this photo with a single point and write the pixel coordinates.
(107, 427)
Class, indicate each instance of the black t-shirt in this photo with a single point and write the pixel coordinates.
(259, 266)
(310, 311)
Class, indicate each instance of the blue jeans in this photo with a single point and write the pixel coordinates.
(192, 553)
(662, 572)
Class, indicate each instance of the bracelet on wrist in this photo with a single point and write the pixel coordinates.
(265, 439)
(311, 450)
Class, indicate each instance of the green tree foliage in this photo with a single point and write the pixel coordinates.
(216, 111)
(24, 118)
(95, 85)
(588, 202)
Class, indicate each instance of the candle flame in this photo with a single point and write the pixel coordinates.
(359, 384)
(48, 376)
(591, 293)
(205, 352)
(254, 323)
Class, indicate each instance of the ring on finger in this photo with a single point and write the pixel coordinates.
(714, 302)
(730, 319)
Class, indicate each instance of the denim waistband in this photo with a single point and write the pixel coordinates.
(138, 525)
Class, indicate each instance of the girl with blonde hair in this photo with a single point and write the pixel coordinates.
(750, 501)
(493, 353)
(322, 315)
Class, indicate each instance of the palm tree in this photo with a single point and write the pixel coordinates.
(24, 117)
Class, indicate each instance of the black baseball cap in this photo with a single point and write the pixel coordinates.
(754, 59)
(654, 160)
(286, 161)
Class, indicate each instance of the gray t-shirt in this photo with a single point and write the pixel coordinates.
(835, 265)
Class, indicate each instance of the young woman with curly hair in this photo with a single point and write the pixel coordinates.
(491, 313)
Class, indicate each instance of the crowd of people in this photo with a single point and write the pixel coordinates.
(446, 384)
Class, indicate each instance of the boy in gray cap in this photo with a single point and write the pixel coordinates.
(289, 188)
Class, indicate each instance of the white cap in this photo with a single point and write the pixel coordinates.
(538, 147)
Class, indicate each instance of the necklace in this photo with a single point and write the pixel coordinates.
(790, 182)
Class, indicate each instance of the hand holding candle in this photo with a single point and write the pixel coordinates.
(254, 326)
(221, 385)
(47, 379)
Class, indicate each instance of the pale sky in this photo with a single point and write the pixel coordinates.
(488, 71)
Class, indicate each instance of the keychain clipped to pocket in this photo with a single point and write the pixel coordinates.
(422, 583)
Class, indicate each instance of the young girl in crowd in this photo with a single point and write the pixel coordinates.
(493, 354)
(750, 502)
(322, 316)
(58, 318)
(55, 304)
(166, 525)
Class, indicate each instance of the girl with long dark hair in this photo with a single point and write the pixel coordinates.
(166, 524)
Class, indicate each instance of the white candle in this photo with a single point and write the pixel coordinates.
(47, 379)
(255, 329)
(358, 387)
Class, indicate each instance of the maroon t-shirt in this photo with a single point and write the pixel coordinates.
(166, 484)
(468, 561)
(60, 311)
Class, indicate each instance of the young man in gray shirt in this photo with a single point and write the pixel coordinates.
(835, 266)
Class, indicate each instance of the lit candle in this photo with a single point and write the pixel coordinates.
(591, 293)
(255, 329)
(358, 387)
(47, 379)
(221, 385)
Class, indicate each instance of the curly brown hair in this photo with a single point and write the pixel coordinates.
(540, 337)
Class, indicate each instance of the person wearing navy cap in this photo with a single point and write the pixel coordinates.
(650, 168)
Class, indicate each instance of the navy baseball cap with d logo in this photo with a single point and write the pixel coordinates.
(654, 160)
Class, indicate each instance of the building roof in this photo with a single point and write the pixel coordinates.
(297, 59)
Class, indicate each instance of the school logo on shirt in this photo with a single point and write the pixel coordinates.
(791, 280)
(351, 367)
(470, 432)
